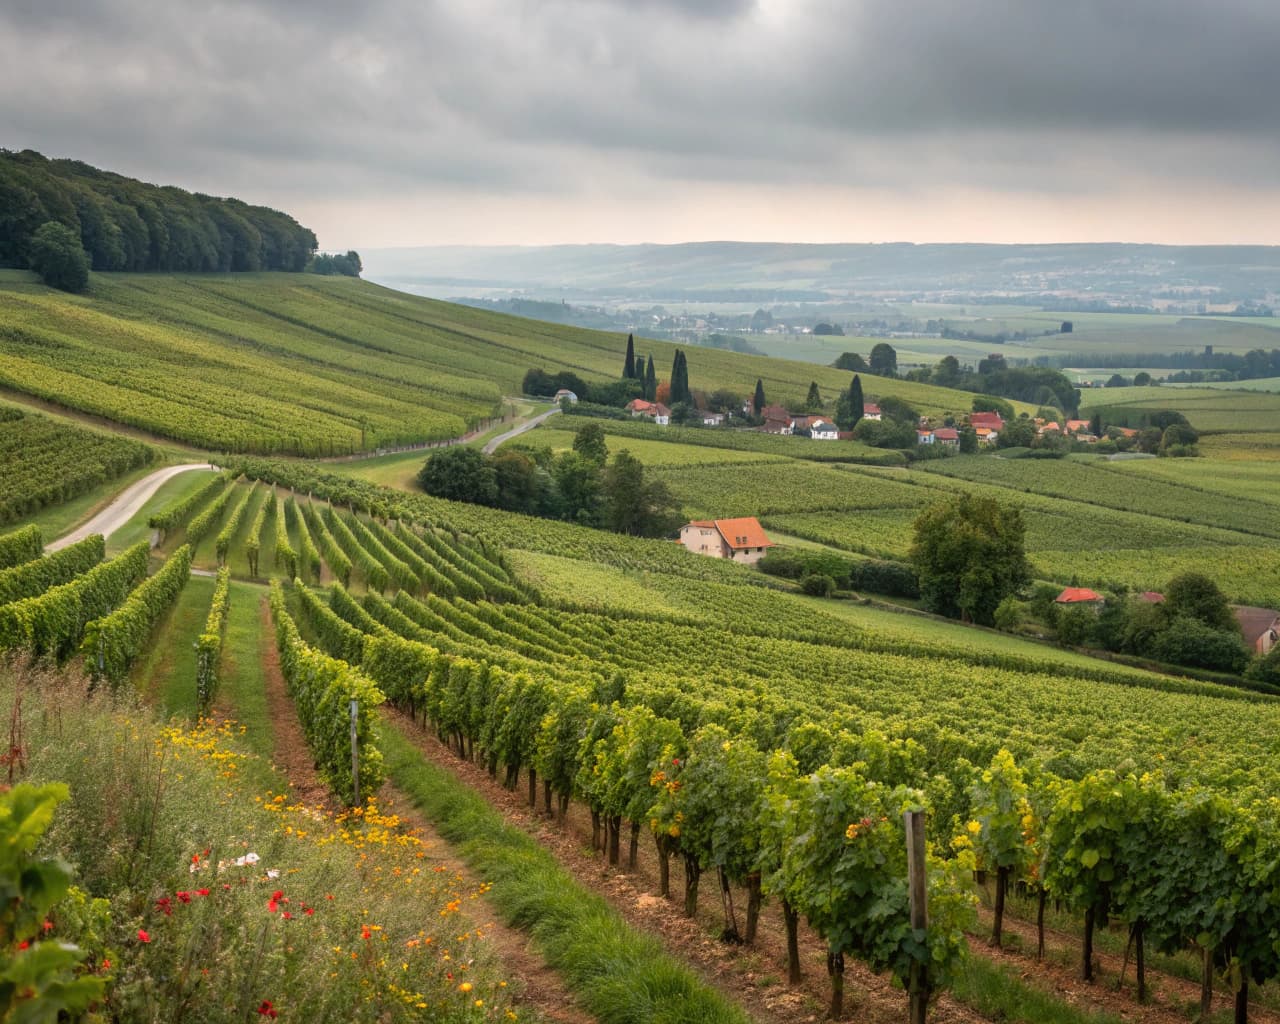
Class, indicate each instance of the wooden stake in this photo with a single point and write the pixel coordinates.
(917, 889)
(355, 754)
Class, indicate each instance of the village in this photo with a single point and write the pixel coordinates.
(776, 419)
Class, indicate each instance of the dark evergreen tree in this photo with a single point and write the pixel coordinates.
(629, 365)
(856, 402)
(680, 379)
(814, 398)
(757, 402)
(650, 381)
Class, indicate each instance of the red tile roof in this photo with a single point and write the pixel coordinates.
(946, 434)
(986, 419)
(1255, 622)
(742, 533)
(1078, 595)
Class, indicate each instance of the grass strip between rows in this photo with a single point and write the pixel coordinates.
(617, 973)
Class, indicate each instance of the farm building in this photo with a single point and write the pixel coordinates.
(870, 411)
(990, 420)
(1260, 626)
(1079, 596)
(564, 393)
(741, 540)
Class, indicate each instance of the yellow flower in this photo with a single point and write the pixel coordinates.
(974, 827)
(465, 987)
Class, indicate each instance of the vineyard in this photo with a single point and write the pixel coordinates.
(763, 752)
(622, 676)
(47, 462)
(717, 678)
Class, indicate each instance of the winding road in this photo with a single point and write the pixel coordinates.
(125, 506)
(132, 498)
(516, 431)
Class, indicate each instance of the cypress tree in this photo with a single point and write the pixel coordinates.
(855, 401)
(650, 381)
(680, 378)
(629, 366)
(814, 400)
(757, 403)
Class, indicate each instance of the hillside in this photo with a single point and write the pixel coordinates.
(310, 365)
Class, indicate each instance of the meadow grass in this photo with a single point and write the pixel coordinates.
(206, 895)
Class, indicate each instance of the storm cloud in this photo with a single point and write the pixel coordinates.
(346, 113)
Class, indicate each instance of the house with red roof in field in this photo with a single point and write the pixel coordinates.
(989, 420)
(1079, 597)
(655, 411)
(1260, 626)
(739, 540)
(948, 436)
(870, 411)
(924, 436)
(776, 419)
(986, 435)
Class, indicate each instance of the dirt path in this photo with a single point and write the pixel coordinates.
(125, 506)
(543, 990)
(492, 446)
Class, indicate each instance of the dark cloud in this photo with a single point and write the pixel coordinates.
(390, 97)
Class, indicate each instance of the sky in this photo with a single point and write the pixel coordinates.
(476, 122)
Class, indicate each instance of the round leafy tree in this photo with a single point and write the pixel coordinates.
(969, 555)
(59, 258)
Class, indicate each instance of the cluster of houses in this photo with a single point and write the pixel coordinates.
(661, 415)
(1260, 626)
(987, 425)
(778, 420)
(1077, 429)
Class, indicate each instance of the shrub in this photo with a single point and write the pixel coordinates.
(59, 258)
(818, 585)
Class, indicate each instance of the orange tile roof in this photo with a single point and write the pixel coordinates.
(743, 533)
(1078, 595)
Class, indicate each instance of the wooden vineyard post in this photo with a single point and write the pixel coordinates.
(355, 755)
(918, 986)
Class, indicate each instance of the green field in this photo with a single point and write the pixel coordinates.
(1207, 409)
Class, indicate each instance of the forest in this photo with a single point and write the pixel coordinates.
(126, 224)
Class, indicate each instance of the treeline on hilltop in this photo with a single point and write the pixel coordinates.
(125, 224)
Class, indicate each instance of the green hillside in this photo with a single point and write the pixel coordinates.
(311, 365)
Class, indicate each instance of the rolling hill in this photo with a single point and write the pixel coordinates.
(310, 365)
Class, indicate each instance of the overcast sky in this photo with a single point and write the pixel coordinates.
(401, 122)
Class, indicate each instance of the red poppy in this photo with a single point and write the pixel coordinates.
(184, 897)
(24, 944)
(308, 911)
(202, 892)
(278, 895)
(165, 904)
(267, 1010)
(143, 936)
